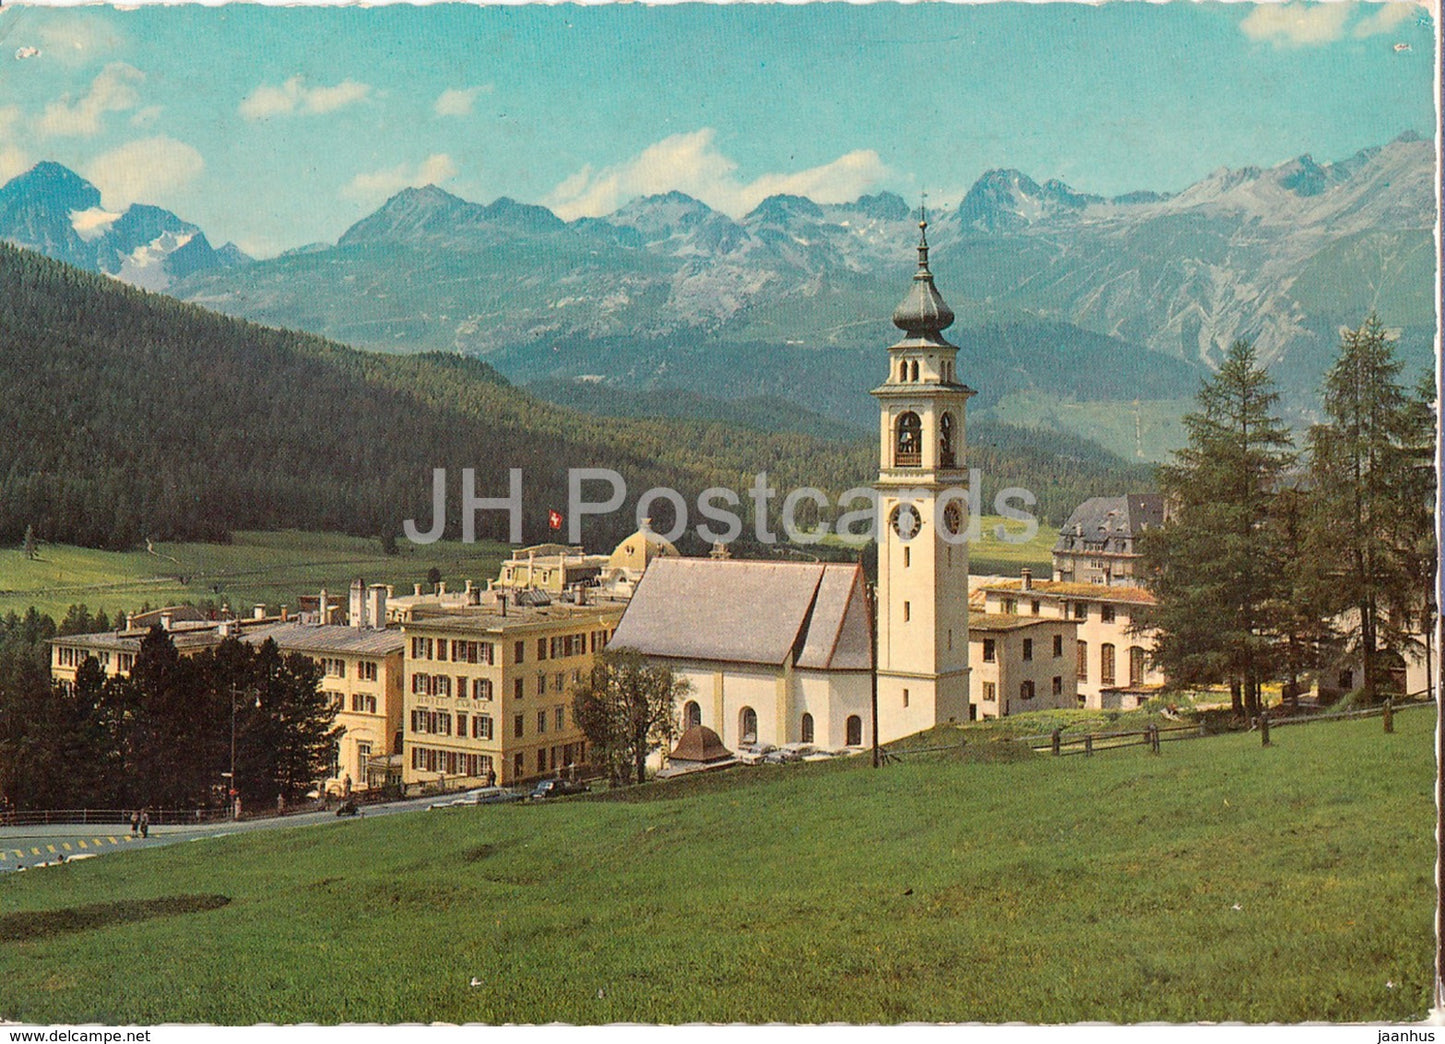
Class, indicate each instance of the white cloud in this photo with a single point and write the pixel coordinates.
(13, 161)
(1386, 18)
(690, 163)
(380, 184)
(1301, 25)
(113, 90)
(458, 101)
(295, 98)
(144, 170)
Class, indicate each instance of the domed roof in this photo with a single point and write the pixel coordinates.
(700, 743)
(923, 313)
(639, 549)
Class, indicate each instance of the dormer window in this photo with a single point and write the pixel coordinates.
(908, 446)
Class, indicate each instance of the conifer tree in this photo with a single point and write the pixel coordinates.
(1372, 492)
(1215, 567)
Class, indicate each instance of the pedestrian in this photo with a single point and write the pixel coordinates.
(134, 823)
(145, 823)
(491, 777)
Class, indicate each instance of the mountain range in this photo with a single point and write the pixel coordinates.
(1064, 297)
(132, 416)
(55, 211)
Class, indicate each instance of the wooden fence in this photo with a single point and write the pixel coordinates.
(1153, 736)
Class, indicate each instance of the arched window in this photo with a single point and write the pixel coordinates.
(854, 728)
(807, 728)
(909, 444)
(748, 725)
(947, 458)
(691, 714)
(903, 369)
(1136, 665)
(914, 371)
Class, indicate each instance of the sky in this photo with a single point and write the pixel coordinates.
(274, 127)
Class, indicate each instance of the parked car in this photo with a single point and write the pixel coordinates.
(480, 796)
(550, 788)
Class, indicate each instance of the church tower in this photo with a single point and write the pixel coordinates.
(922, 519)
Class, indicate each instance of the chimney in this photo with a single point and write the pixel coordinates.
(130, 621)
(581, 594)
(166, 620)
(1027, 575)
(323, 613)
(376, 608)
(356, 614)
(259, 612)
(502, 599)
(285, 614)
(441, 588)
(416, 590)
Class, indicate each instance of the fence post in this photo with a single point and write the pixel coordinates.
(1089, 744)
(1153, 738)
(1389, 714)
(1264, 728)
(1056, 739)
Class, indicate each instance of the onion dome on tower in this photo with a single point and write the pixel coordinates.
(923, 315)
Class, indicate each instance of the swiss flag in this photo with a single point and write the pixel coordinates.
(554, 519)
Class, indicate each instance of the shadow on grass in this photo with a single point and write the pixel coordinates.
(17, 927)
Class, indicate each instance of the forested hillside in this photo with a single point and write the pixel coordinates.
(132, 416)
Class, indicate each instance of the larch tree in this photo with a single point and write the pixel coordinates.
(1215, 567)
(1373, 484)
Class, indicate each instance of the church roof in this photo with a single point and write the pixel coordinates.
(700, 743)
(810, 613)
(923, 314)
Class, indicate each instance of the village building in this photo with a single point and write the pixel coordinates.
(488, 690)
(1111, 661)
(1099, 542)
(361, 676)
(773, 652)
(115, 652)
(1020, 663)
(549, 567)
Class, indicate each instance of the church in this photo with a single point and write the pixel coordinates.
(784, 652)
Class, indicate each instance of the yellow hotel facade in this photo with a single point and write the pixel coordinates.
(488, 692)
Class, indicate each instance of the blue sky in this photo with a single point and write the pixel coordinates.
(275, 127)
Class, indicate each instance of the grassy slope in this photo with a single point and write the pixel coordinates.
(1147, 430)
(276, 567)
(1046, 890)
(255, 567)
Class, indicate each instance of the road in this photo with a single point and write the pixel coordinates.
(27, 847)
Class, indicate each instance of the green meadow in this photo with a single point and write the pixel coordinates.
(276, 568)
(273, 568)
(1217, 881)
